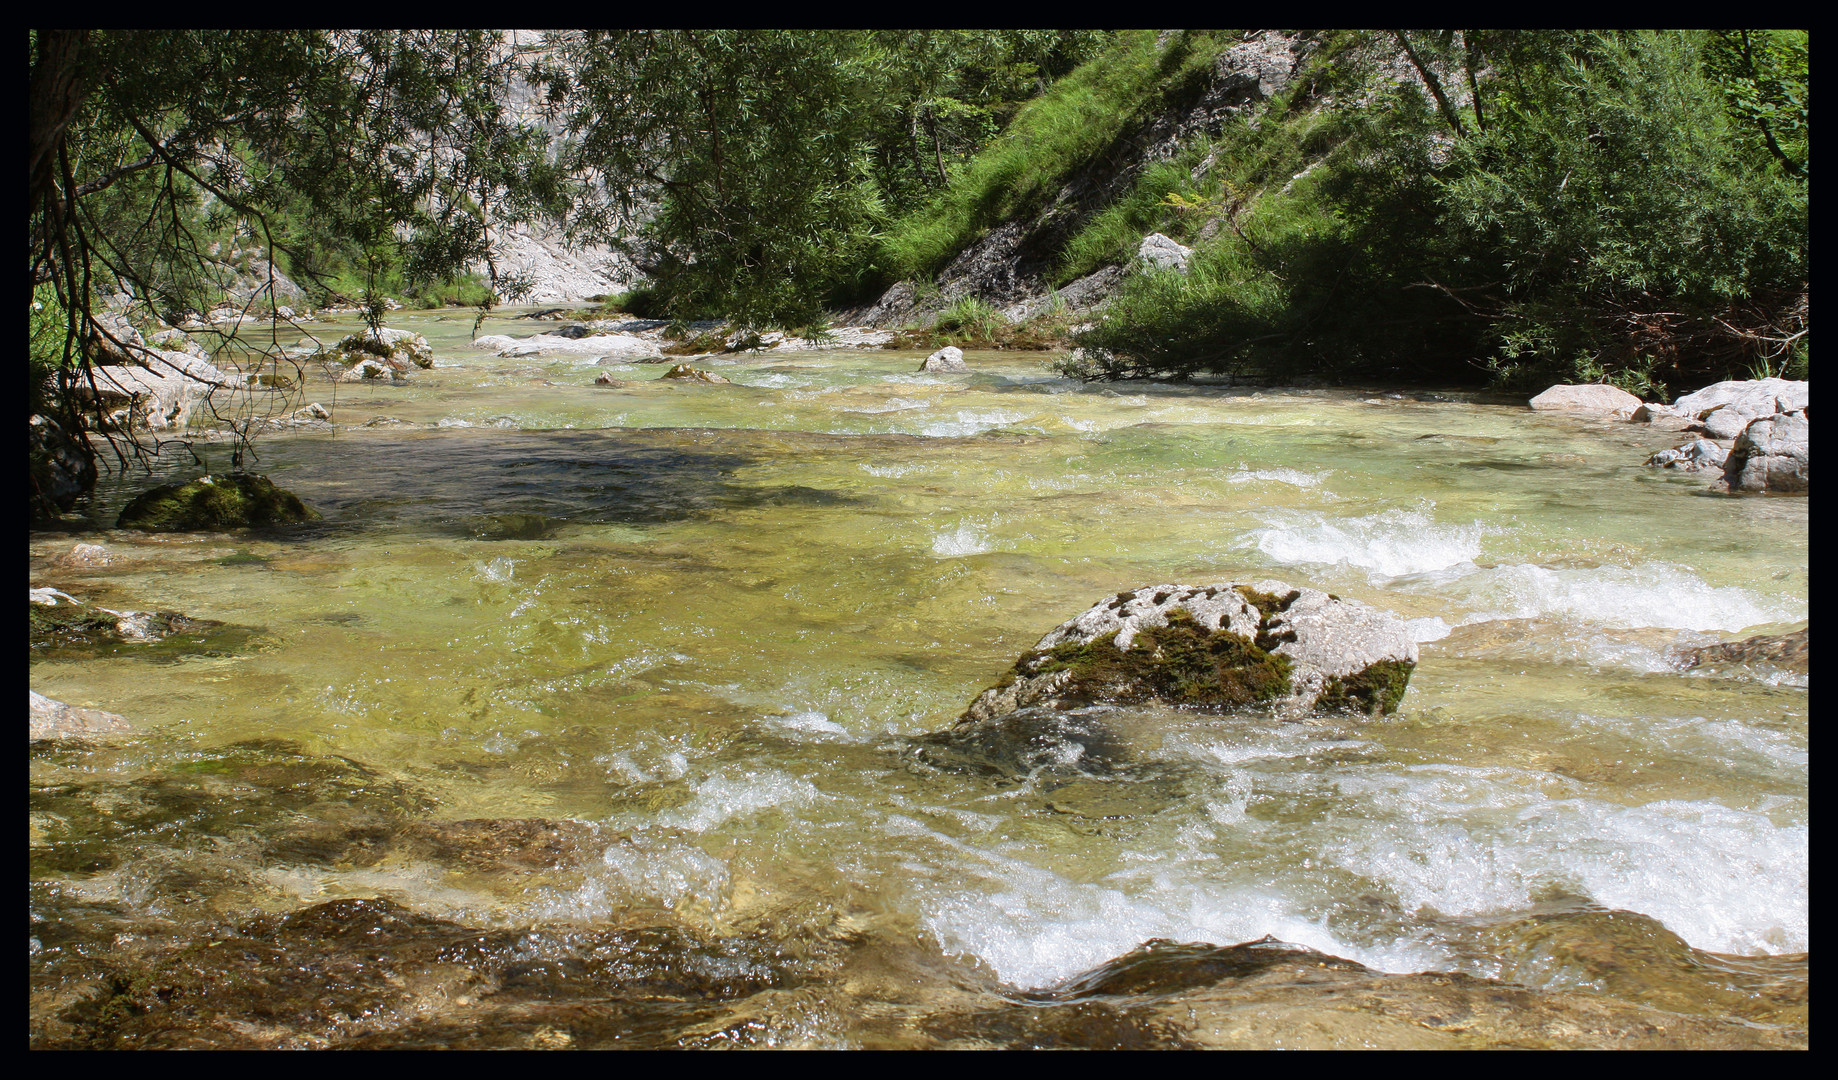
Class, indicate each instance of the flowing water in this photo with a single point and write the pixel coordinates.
(616, 688)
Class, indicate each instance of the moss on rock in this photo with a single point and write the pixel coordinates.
(1182, 663)
(232, 501)
(1374, 691)
(54, 625)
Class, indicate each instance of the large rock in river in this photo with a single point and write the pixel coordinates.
(1587, 397)
(395, 348)
(1770, 455)
(948, 359)
(1746, 397)
(223, 501)
(1214, 646)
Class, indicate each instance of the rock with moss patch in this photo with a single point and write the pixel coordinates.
(224, 501)
(396, 349)
(1232, 645)
(59, 621)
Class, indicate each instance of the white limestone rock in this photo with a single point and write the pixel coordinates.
(1598, 398)
(1163, 253)
(949, 360)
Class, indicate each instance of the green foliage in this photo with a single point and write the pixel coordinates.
(47, 325)
(1766, 83)
(196, 153)
(970, 319)
(1591, 208)
(1049, 138)
(1165, 198)
(762, 162)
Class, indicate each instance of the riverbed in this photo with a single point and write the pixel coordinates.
(618, 686)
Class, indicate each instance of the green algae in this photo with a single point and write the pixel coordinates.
(231, 501)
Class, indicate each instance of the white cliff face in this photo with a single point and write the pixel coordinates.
(558, 272)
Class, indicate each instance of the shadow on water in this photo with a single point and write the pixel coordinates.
(493, 485)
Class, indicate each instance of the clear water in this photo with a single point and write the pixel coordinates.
(739, 600)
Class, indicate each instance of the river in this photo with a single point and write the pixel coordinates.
(685, 633)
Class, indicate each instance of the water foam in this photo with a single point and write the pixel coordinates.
(891, 471)
(1649, 595)
(729, 795)
(1468, 841)
(898, 404)
(1387, 545)
(774, 381)
(966, 539)
(1035, 927)
(973, 422)
(1244, 474)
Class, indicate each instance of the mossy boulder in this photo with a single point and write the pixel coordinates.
(223, 501)
(396, 348)
(1215, 647)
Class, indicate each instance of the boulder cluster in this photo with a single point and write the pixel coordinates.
(1752, 433)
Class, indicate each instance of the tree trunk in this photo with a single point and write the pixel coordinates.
(55, 91)
(1429, 78)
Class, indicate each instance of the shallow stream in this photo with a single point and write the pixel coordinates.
(595, 705)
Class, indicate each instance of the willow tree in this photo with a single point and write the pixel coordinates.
(142, 144)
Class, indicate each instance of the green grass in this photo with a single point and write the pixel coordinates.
(1049, 139)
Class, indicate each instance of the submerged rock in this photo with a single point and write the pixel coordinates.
(1587, 397)
(949, 359)
(1027, 741)
(86, 556)
(223, 501)
(1770, 455)
(512, 527)
(1698, 455)
(1220, 646)
(51, 719)
(1785, 651)
(1269, 994)
(685, 373)
(58, 620)
(372, 370)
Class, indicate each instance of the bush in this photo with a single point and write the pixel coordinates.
(1608, 223)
